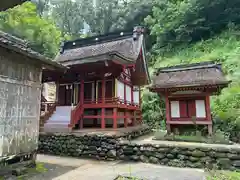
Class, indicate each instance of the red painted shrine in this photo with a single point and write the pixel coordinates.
(101, 87)
(187, 90)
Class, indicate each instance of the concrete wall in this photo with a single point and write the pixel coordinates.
(20, 94)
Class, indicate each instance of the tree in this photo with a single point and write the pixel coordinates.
(67, 15)
(42, 6)
(182, 21)
(24, 22)
(97, 16)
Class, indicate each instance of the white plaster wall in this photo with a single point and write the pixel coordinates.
(128, 93)
(136, 97)
(200, 109)
(120, 89)
(175, 109)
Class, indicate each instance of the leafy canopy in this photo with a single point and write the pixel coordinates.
(24, 22)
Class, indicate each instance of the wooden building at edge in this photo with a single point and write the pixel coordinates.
(20, 94)
(101, 87)
(187, 90)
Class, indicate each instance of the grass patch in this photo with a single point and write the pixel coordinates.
(223, 175)
(217, 138)
(127, 178)
(32, 171)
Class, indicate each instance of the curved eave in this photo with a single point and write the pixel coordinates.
(188, 87)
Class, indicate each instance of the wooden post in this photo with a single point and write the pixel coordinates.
(81, 100)
(103, 101)
(134, 120)
(125, 119)
(45, 108)
(168, 118)
(208, 113)
(125, 101)
(140, 104)
(115, 118)
(57, 92)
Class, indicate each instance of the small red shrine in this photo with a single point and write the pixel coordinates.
(187, 90)
(101, 87)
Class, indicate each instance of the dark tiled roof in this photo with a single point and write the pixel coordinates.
(6, 4)
(123, 45)
(20, 46)
(199, 74)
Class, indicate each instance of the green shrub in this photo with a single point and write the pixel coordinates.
(153, 109)
(223, 175)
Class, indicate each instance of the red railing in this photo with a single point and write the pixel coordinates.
(47, 109)
(112, 100)
(76, 114)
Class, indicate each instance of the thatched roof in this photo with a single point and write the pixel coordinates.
(6, 4)
(85, 50)
(193, 75)
(20, 46)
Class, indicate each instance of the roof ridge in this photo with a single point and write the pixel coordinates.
(184, 67)
(94, 40)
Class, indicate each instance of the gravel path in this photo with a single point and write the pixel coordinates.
(91, 169)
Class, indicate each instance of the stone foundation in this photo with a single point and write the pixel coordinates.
(118, 148)
(17, 164)
(197, 156)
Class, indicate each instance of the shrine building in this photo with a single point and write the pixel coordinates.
(187, 90)
(102, 86)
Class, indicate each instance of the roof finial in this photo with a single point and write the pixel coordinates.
(137, 31)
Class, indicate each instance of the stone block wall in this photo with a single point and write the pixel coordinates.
(208, 156)
(77, 145)
(118, 148)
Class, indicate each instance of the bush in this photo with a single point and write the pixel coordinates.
(153, 109)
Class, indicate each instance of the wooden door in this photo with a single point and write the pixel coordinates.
(88, 91)
(68, 99)
(61, 95)
(109, 89)
(191, 109)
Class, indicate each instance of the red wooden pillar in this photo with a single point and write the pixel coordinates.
(81, 100)
(115, 118)
(125, 119)
(103, 101)
(168, 116)
(208, 114)
(133, 116)
(140, 104)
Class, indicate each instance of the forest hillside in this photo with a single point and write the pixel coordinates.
(180, 31)
(189, 31)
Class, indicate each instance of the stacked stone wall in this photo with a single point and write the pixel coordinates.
(119, 148)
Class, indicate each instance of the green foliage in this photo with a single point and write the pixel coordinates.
(152, 107)
(223, 48)
(223, 175)
(94, 17)
(179, 21)
(127, 178)
(218, 137)
(24, 22)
